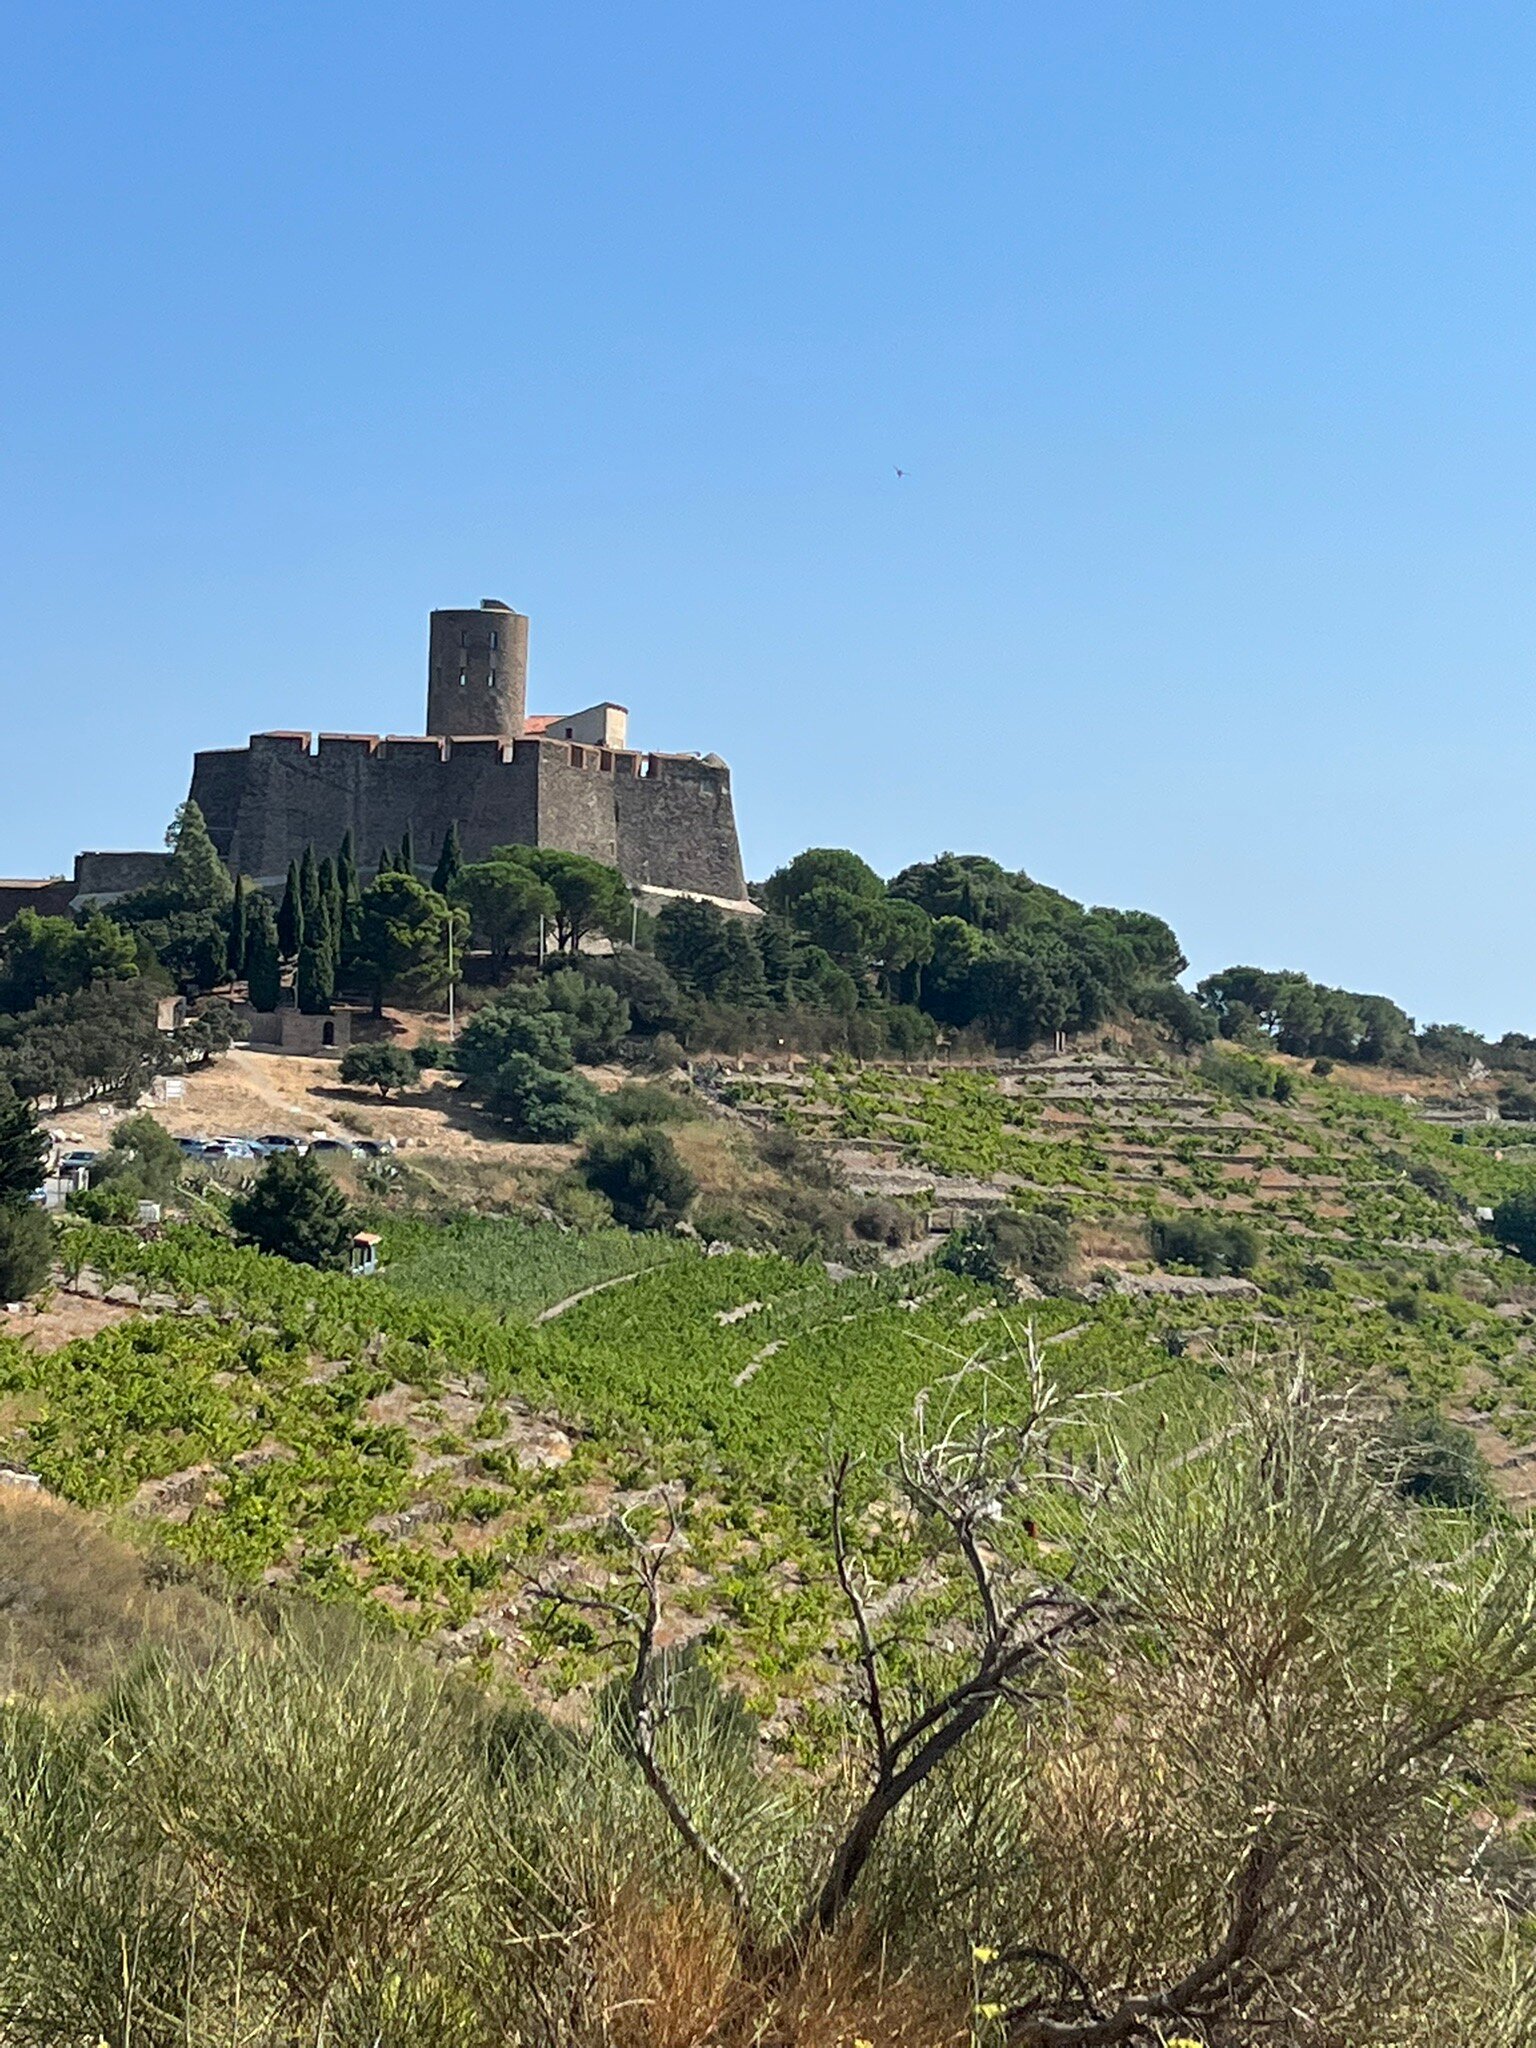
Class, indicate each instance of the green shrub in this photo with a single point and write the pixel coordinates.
(1434, 1183)
(1517, 1102)
(1435, 1461)
(388, 1068)
(1242, 1075)
(641, 1102)
(1514, 1222)
(1213, 1245)
(596, 1015)
(642, 1176)
(662, 1054)
(1009, 1244)
(539, 1105)
(883, 1222)
(143, 1163)
(583, 1208)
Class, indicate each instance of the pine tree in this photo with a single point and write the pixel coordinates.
(407, 862)
(316, 977)
(295, 1210)
(263, 966)
(23, 1152)
(449, 861)
(290, 917)
(196, 878)
(239, 929)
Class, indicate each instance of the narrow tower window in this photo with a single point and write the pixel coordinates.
(495, 643)
(463, 678)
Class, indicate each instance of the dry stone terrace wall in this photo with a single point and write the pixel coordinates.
(1110, 1136)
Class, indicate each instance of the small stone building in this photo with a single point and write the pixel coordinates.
(293, 1031)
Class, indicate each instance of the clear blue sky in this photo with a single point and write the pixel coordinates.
(1205, 333)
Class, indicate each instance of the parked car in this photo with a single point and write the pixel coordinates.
(279, 1141)
(73, 1161)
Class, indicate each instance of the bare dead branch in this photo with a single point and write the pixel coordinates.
(869, 1662)
(1204, 1988)
(646, 1715)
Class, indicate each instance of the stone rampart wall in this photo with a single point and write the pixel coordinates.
(662, 819)
(50, 898)
(103, 875)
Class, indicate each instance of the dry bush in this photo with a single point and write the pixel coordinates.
(672, 1976)
(75, 1602)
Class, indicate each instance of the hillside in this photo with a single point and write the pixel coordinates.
(902, 1478)
(434, 1440)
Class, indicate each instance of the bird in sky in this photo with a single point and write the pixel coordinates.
(901, 472)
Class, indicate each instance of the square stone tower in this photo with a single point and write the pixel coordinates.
(477, 673)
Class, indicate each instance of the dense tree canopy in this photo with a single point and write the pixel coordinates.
(589, 897)
(1305, 1018)
(58, 956)
(402, 945)
(505, 900)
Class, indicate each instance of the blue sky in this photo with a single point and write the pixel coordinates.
(1204, 333)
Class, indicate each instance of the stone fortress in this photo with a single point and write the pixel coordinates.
(665, 821)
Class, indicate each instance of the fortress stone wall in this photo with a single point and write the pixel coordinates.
(666, 821)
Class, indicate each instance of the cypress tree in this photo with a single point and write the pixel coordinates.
(331, 905)
(290, 917)
(346, 870)
(407, 853)
(239, 929)
(263, 966)
(316, 977)
(386, 864)
(309, 890)
(449, 861)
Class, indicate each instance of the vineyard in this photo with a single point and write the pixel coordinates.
(434, 1440)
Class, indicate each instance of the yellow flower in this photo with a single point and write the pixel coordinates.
(990, 2012)
(984, 1955)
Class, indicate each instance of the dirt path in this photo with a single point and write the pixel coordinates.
(247, 1066)
(547, 1315)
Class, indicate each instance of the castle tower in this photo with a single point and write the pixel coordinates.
(477, 673)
